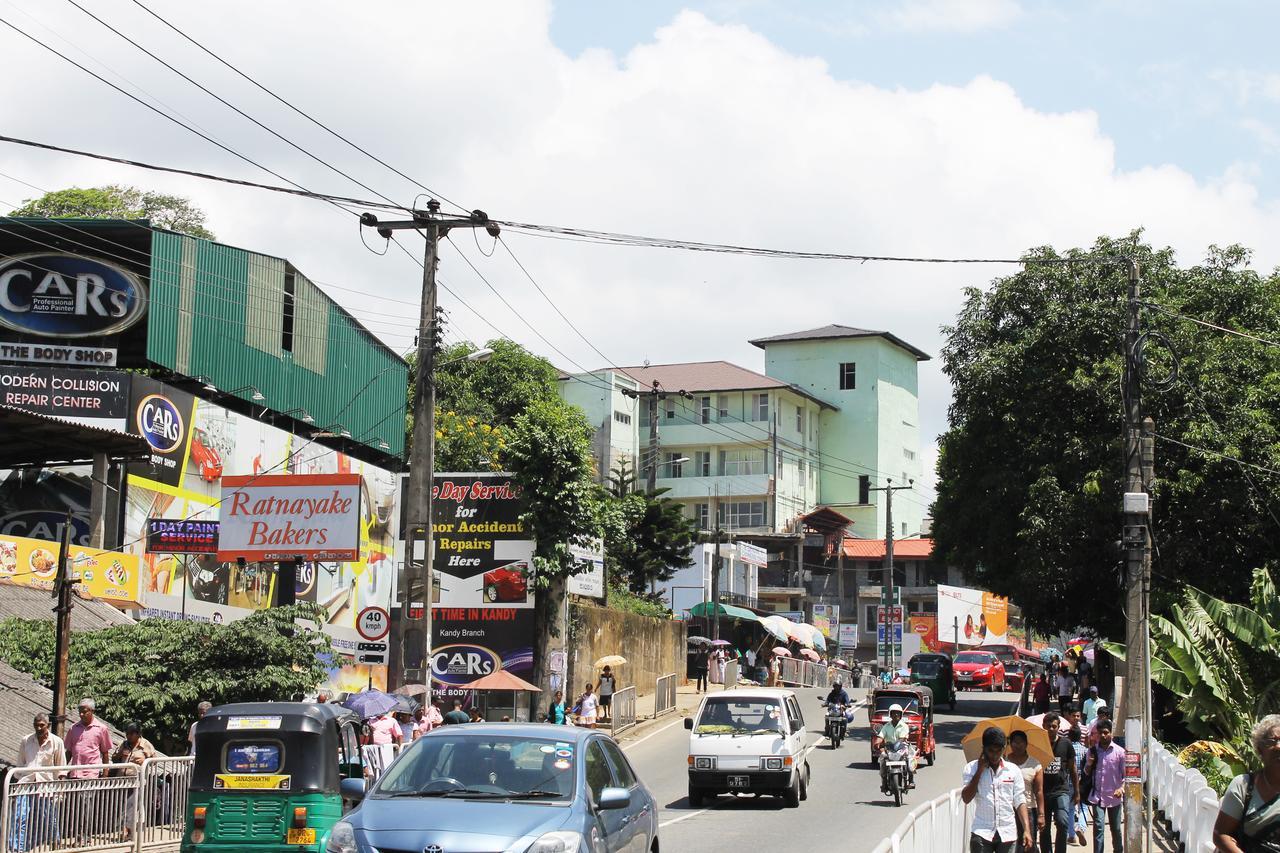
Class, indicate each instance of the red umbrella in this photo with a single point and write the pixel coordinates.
(810, 654)
(782, 651)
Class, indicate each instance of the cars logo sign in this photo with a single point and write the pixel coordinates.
(160, 423)
(68, 296)
(460, 664)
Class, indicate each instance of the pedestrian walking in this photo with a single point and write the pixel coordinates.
(1105, 770)
(132, 751)
(1059, 784)
(34, 819)
(1079, 814)
(998, 792)
(427, 718)
(1091, 706)
(475, 715)
(88, 742)
(457, 715)
(556, 713)
(1066, 685)
(1040, 694)
(700, 661)
(1091, 733)
(201, 710)
(385, 730)
(407, 726)
(720, 659)
(1249, 818)
(588, 708)
(606, 687)
(1033, 780)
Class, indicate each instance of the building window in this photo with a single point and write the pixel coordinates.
(704, 409)
(702, 516)
(800, 465)
(702, 463)
(674, 468)
(904, 533)
(670, 406)
(778, 467)
(741, 462)
(909, 455)
(848, 376)
(760, 407)
(722, 406)
(739, 514)
(622, 418)
(869, 626)
(800, 420)
(286, 321)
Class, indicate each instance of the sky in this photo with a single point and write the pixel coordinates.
(963, 128)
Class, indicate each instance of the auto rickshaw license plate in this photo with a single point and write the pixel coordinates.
(739, 781)
(300, 836)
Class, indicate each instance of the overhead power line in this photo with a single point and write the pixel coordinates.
(1208, 325)
(1217, 454)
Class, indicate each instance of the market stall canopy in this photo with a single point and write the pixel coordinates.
(31, 439)
(707, 608)
(502, 680)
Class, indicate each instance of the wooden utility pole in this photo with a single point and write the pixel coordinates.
(62, 639)
(1139, 459)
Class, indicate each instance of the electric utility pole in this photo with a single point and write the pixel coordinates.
(1139, 464)
(410, 658)
(889, 488)
(62, 638)
(654, 394)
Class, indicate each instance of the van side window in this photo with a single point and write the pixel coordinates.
(793, 710)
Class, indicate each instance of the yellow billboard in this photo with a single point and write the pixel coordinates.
(97, 574)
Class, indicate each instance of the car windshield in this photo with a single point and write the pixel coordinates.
(739, 717)
(909, 705)
(927, 668)
(980, 658)
(482, 767)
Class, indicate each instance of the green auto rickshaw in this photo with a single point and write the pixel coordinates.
(267, 776)
(933, 670)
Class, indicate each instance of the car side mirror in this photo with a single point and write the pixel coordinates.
(352, 789)
(614, 798)
(688, 723)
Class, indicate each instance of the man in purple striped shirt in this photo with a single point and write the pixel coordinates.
(1106, 764)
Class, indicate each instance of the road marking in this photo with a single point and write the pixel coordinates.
(627, 746)
(667, 823)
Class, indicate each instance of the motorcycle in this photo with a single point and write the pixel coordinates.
(836, 723)
(895, 771)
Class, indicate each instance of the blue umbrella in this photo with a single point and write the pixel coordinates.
(370, 703)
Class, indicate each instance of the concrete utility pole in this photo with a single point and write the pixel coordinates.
(410, 659)
(654, 394)
(715, 585)
(1139, 464)
(889, 488)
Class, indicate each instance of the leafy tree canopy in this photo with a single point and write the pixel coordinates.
(155, 672)
(1031, 468)
(646, 536)
(119, 202)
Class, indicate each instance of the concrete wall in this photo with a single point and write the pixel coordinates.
(651, 646)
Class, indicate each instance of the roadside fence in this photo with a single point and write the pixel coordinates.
(664, 695)
(622, 714)
(938, 826)
(731, 675)
(803, 673)
(127, 808)
(1184, 798)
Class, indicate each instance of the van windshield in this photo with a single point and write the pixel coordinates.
(739, 717)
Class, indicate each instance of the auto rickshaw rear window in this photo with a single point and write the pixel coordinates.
(910, 706)
(255, 757)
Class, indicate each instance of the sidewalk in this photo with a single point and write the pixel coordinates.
(687, 699)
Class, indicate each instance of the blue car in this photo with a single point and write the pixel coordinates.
(519, 787)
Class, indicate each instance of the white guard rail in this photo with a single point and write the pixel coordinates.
(664, 696)
(731, 675)
(1185, 799)
(622, 713)
(803, 673)
(122, 807)
(938, 826)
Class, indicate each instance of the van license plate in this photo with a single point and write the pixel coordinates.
(739, 781)
(300, 836)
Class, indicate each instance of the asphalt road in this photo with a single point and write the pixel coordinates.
(845, 810)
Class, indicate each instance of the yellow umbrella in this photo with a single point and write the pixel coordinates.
(1037, 738)
(610, 660)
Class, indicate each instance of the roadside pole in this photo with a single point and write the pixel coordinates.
(889, 488)
(62, 638)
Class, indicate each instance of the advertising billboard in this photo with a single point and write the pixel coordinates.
(590, 581)
(826, 618)
(97, 574)
(925, 626)
(97, 398)
(276, 517)
(182, 536)
(979, 617)
(469, 643)
(66, 296)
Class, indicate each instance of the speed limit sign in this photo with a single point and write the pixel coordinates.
(373, 623)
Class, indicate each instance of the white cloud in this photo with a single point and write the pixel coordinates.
(706, 132)
(1247, 86)
(959, 16)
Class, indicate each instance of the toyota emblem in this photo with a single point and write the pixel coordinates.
(433, 848)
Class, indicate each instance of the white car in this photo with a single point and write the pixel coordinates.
(750, 740)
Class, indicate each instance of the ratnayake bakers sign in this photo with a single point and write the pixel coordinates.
(287, 516)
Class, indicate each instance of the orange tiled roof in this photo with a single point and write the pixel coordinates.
(873, 549)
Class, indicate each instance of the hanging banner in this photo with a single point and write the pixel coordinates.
(181, 536)
(925, 626)
(981, 618)
(752, 555)
(589, 582)
(284, 516)
(97, 574)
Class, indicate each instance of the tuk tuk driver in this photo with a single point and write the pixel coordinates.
(894, 741)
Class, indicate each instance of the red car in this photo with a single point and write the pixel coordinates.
(507, 583)
(205, 455)
(978, 671)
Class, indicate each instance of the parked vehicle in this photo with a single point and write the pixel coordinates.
(286, 762)
(917, 709)
(507, 583)
(978, 671)
(934, 670)
(522, 786)
(750, 740)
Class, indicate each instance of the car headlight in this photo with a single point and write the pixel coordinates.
(984, 670)
(561, 841)
(342, 839)
(772, 762)
(704, 762)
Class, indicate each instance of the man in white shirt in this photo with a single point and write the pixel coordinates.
(41, 748)
(35, 819)
(1000, 813)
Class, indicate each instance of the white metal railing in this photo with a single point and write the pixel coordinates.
(664, 695)
(731, 675)
(804, 673)
(622, 713)
(938, 826)
(1186, 800)
(107, 808)
(377, 757)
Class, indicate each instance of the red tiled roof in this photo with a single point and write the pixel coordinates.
(698, 376)
(873, 549)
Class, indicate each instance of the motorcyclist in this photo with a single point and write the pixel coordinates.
(838, 694)
(894, 742)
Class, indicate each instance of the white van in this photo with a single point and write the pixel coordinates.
(750, 740)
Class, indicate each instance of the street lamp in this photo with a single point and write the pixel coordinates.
(306, 416)
(480, 355)
(256, 396)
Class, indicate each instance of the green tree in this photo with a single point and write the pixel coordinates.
(156, 671)
(647, 536)
(120, 202)
(1031, 467)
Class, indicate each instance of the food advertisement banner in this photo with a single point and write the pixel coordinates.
(982, 618)
(286, 516)
(468, 643)
(97, 574)
(482, 553)
(925, 626)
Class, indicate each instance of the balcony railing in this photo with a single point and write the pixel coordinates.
(739, 599)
